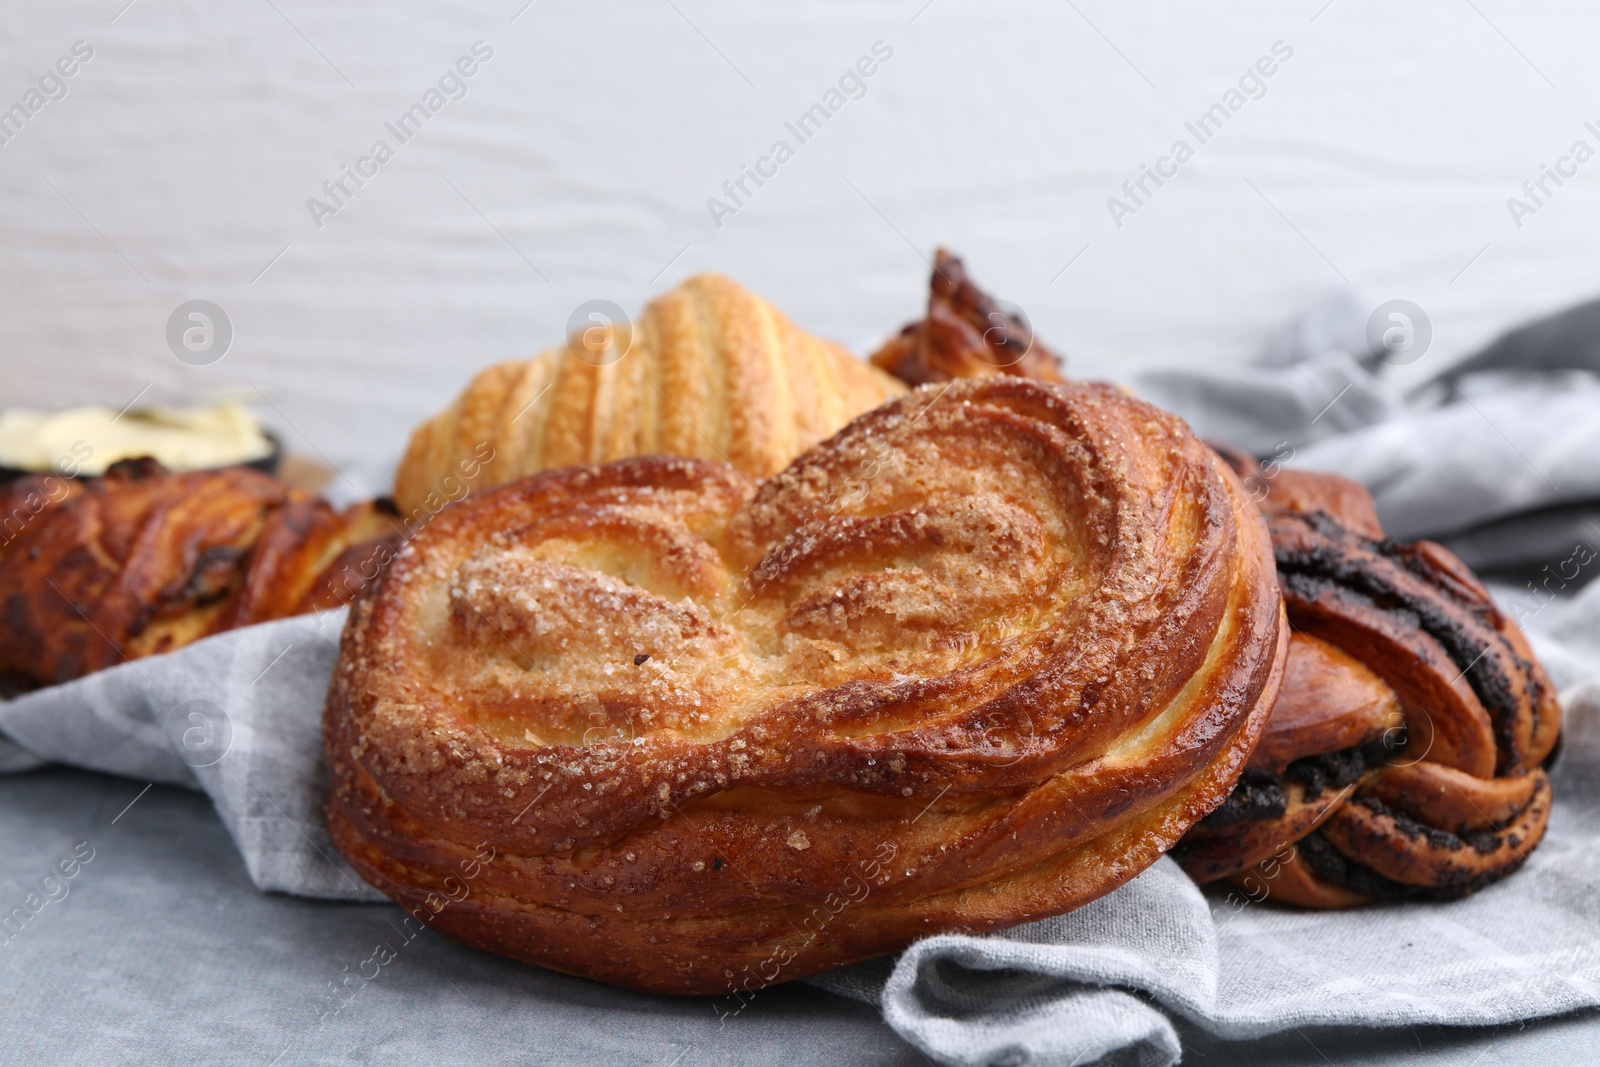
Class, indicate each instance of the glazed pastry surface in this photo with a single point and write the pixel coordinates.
(978, 659)
(144, 560)
(1405, 755)
(966, 333)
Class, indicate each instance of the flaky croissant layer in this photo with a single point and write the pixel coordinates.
(977, 659)
(709, 369)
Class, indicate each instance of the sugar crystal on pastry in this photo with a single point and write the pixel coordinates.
(992, 650)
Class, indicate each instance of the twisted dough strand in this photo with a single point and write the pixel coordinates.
(143, 561)
(1385, 634)
(979, 658)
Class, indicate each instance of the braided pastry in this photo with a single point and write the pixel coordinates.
(143, 561)
(1403, 758)
(978, 659)
(966, 334)
(710, 370)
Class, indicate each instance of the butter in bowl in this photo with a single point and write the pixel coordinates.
(82, 442)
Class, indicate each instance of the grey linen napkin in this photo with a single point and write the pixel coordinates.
(238, 715)
(1497, 456)
(1097, 981)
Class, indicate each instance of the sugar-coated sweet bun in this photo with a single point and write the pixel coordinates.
(978, 659)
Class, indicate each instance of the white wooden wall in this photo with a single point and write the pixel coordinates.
(579, 162)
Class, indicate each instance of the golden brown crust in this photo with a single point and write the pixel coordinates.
(977, 659)
(708, 370)
(1454, 802)
(1344, 500)
(1290, 881)
(965, 334)
(1399, 848)
(1330, 701)
(1381, 630)
(1211, 851)
(143, 561)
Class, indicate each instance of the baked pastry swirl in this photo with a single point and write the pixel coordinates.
(965, 334)
(144, 560)
(709, 369)
(979, 658)
(1403, 758)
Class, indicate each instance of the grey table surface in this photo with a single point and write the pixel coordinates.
(162, 952)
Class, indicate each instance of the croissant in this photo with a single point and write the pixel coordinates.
(979, 658)
(1403, 758)
(710, 370)
(143, 561)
